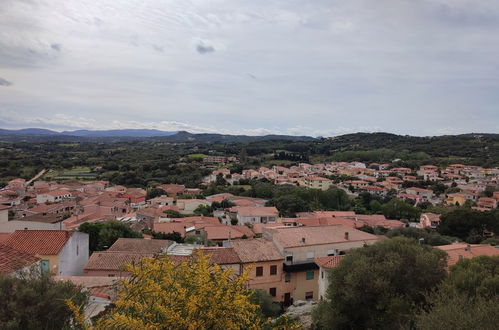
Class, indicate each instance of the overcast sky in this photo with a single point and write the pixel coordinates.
(418, 67)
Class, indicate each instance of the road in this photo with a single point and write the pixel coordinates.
(42, 172)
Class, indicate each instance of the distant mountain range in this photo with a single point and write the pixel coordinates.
(89, 133)
(40, 135)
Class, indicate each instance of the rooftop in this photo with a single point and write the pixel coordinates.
(140, 245)
(289, 237)
(12, 260)
(256, 250)
(44, 242)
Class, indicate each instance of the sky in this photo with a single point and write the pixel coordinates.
(319, 68)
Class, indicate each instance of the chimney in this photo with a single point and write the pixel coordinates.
(467, 248)
(303, 240)
(347, 235)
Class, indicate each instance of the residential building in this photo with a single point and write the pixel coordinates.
(265, 264)
(461, 251)
(255, 214)
(301, 245)
(53, 196)
(49, 221)
(317, 182)
(13, 261)
(429, 220)
(61, 252)
(325, 264)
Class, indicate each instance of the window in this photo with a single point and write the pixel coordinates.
(273, 270)
(322, 274)
(77, 249)
(310, 255)
(259, 271)
(309, 295)
(287, 277)
(273, 292)
(330, 252)
(289, 258)
(310, 275)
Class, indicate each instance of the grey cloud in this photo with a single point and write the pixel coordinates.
(4, 82)
(56, 47)
(203, 48)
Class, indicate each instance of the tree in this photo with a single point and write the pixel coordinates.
(263, 299)
(380, 286)
(173, 214)
(204, 210)
(37, 302)
(397, 209)
(194, 294)
(467, 299)
(155, 192)
(288, 205)
(430, 237)
(103, 234)
(469, 225)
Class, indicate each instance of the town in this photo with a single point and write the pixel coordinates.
(287, 255)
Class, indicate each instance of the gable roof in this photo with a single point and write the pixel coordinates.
(114, 260)
(288, 237)
(12, 259)
(140, 245)
(466, 251)
(44, 242)
(256, 250)
(329, 261)
(221, 255)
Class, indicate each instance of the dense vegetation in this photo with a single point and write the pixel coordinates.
(143, 162)
(32, 302)
(103, 234)
(401, 284)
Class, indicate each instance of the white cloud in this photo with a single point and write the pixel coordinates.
(321, 67)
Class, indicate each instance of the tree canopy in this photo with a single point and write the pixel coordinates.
(103, 234)
(467, 299)
(469, 225)
(380, 286)
(37, 302)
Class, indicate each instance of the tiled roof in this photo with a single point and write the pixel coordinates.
(328, 262)
(256, 211)
(221, 232)
(12, 259)
(466, 251)
(4, 237)
(221, 255)
(256, 250)
(109, 260)
(317, 235)
(44, 242)
(3, 207)
(140, 245)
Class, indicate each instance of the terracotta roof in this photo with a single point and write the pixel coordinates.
(140, 245)
(48, 218)
(466, 251)
(324, 214)
(12, 259)
(256, 211)
(256, 250)
(44, 242)
(4, 237)
(221, 232)
(317, 235)
(221, 255)
(328, 262)
(113, 260)
(3, 207)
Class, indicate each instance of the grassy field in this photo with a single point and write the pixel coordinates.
(196, 156)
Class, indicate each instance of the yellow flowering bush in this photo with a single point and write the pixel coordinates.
(194, 294)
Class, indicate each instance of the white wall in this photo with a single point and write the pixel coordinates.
(12, 226)
(74, 255)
